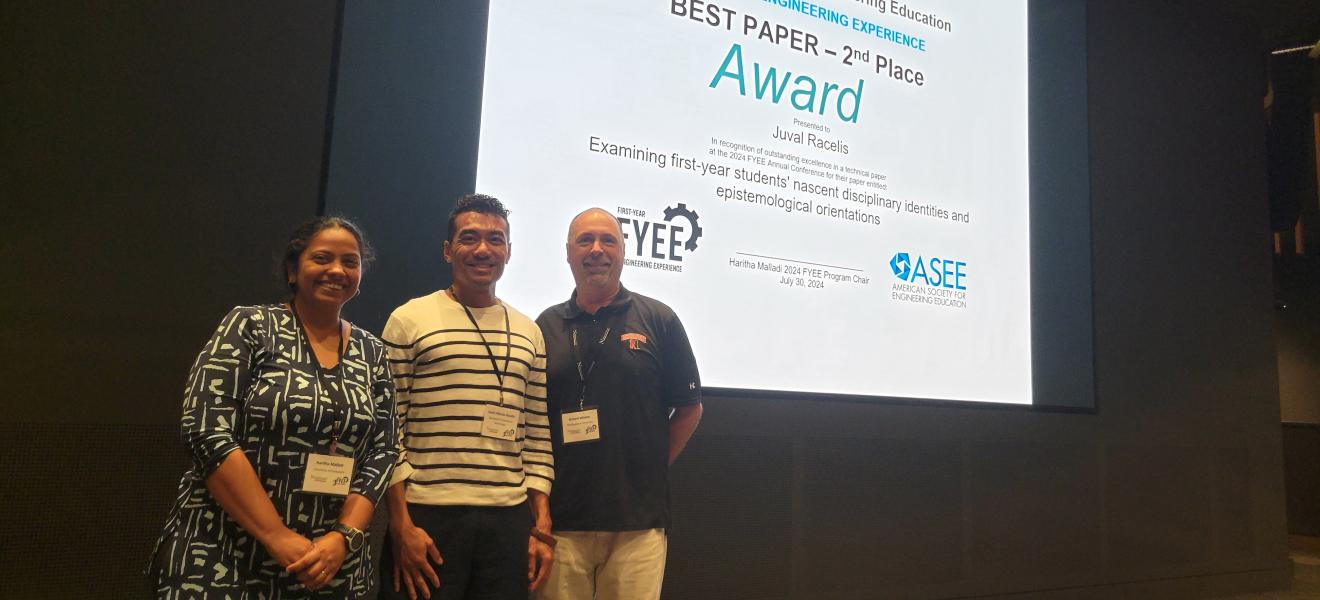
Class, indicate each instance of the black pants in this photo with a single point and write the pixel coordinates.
(484, 549)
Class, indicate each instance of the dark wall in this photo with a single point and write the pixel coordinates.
(155, 156)
(1297, 327)
(1173, 489)
(1301, 451)
(405, 140)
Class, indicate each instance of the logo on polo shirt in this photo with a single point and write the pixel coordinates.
(634, 340)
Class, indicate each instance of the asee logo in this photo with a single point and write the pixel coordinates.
(901, 265)
(933, 271)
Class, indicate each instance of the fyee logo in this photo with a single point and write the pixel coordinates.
(668, 240)
(933, 271)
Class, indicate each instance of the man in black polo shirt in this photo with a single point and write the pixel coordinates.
(624, 397)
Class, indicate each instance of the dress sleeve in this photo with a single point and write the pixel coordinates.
(400, 353)
(378, 461)
(217, 388)
(537, 456)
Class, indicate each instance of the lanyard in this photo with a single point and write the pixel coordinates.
(337, 429)
(584, 372)
(508, 344)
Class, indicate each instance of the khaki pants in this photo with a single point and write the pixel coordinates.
(607, 565)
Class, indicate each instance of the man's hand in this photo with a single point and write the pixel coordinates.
(540, 557)
(320, 564)
(412, 548)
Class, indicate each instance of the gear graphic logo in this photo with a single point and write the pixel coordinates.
(901, 264)
(681, 210)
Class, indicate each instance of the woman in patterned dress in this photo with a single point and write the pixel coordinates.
(289, 419)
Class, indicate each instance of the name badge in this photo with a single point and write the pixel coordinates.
(581, 425)
(328, 474)
(501, 423)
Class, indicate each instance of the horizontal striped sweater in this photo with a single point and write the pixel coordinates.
(444, 381)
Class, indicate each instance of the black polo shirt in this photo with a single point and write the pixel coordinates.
(643, 368)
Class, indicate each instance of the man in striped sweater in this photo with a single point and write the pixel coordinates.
(469, 513)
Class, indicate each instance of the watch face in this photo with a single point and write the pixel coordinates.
(352, 536)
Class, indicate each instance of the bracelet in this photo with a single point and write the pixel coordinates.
(544, 537)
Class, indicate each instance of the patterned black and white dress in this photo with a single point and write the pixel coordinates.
(252, 389)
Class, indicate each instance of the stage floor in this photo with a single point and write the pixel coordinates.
(1305, 554)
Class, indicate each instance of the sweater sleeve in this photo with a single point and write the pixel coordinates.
(537, 457)
(400, 352)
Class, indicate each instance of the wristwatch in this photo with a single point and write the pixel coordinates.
(352, 535)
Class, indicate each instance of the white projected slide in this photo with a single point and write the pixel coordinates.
(832, 195)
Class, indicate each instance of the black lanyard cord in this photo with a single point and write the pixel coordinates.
(584, 372)
(508, 345)
(338, 429)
